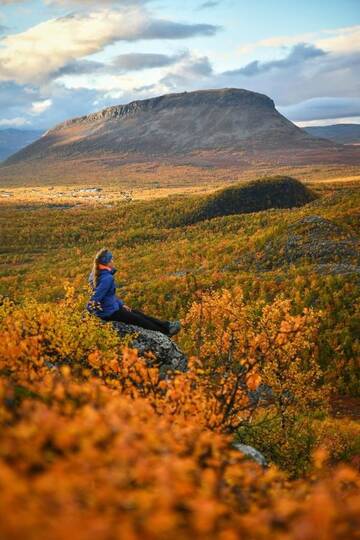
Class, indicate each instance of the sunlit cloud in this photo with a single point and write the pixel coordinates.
(32, 56)
(38, 107)
(335, 40)
(14, 122)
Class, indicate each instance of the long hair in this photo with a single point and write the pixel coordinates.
(95, 273)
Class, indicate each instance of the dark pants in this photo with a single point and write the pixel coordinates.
(139, 319)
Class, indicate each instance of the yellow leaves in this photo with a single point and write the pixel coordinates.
(206, 512)
(253, 380)
(347, 475)
(66, 371)
(94, 435)
(59, 391)
(285, 327)
(320, 456)
(163, 385)
(94, 359)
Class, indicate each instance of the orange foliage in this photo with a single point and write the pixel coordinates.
(95, 445)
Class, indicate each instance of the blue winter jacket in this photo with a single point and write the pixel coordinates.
(103, 301)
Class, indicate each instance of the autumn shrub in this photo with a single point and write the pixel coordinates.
(270, 355)
(341, 439)
(291, 448)
(64, 330)
(101, 447)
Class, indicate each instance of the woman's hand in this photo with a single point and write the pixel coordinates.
(126, 307)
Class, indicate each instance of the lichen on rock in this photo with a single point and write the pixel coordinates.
(167, 355)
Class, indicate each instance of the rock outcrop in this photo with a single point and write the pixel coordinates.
(314, 240)
(167, 355)
(251, 453)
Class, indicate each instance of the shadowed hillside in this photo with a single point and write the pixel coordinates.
(255, 196)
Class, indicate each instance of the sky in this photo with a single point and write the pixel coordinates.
(65, 58)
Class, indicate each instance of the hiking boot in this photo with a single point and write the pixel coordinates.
(174, 328)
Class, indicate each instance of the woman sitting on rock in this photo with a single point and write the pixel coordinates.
(104, 303)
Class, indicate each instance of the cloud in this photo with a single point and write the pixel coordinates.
(58, 42)
(14, 122)
(304, 73)
(33, 104)
(209, 4)
(139, 61)
(163, 29)
(299, 53)
(189, 73)
(95, 2)
(329, 121)
(344, 40)
(16, 98)
(79, 67)
(335, 40)
(322, 108)
(122, 63)
(38, 107)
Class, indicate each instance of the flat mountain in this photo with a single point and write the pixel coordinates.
(12, 140)
(173, 124)
(187, 133)
(339, 133)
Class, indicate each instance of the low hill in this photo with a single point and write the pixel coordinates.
(254, 196)
(339, 133)
(12, 140)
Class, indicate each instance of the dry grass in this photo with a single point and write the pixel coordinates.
(152, 181)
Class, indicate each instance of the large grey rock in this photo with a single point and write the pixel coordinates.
(252, 453)
(168, 356)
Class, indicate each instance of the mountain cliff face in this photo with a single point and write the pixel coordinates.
(228, 119)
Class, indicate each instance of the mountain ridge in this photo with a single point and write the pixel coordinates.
(164, 101)
(339, 133)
